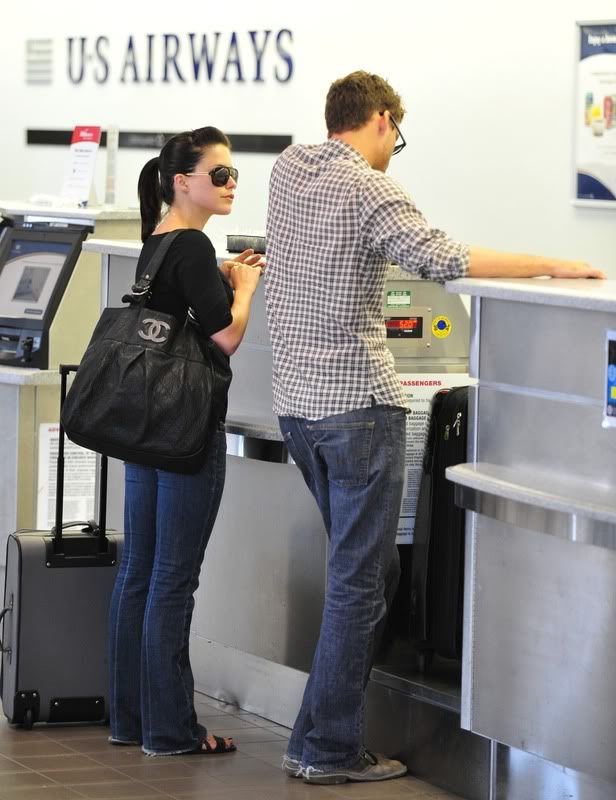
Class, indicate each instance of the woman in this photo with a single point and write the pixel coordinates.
(169, 516)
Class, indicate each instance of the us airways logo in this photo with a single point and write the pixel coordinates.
(234, 57)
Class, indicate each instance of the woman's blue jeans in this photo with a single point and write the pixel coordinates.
(353, 464)
(168, 520)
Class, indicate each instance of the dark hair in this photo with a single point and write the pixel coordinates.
(352, 100)
(180, 154)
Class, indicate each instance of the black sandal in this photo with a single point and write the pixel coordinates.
(204, 748)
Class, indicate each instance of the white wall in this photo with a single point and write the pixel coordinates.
(489, 89)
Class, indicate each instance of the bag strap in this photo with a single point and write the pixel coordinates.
(141, 289)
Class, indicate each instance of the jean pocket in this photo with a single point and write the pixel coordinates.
(345, 447)
(290, 445)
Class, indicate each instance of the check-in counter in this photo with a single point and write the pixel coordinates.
(540, 490)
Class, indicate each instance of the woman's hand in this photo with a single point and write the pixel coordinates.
(248, 257)
(244, 279)
(242, 276)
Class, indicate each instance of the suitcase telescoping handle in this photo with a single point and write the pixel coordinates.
(65, 370)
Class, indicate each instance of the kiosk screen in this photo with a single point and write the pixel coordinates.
(29, 275)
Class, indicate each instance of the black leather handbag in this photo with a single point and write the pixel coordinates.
(150, 389)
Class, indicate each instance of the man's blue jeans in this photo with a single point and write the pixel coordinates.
(353, 464)
(168, 520)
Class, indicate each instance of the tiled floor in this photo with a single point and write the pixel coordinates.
(58, 763)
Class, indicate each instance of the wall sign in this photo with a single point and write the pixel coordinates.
(595, 116)
(165, 58)
(609, 411)
(419, 389)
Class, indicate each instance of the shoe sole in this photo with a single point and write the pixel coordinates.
(344, 777)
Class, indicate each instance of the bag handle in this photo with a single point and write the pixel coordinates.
(56, 531)
(141, 289)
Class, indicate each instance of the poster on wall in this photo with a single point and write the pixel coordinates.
(79, 478)
(419, 389)
(595, 115)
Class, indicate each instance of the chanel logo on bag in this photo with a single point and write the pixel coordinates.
(154, 327)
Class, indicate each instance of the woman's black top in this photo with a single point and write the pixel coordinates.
(189, 276)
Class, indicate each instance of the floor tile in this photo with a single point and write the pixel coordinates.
(90, 744)
(298, 790)
(63, 733)
(279, 729)
(114, 756)
(77, 777)
(253, 735)
(189, 784)
(23, 780)
(9, 765)
(225, 721)
(250, 717)
(41, 793)
(263, 750)
(124, 790)
(49, 763)
(159, 769)
(9, 733)
(406, 788)
(38, 747)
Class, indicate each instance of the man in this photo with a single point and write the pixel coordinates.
(335, 221)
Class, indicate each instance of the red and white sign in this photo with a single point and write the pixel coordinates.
(80, 167)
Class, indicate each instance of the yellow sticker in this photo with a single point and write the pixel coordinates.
(441, 327)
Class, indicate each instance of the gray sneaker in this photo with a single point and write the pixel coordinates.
(291, 766)
(368, 767)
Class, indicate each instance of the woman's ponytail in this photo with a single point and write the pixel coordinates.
(180, 154)
(150, 197)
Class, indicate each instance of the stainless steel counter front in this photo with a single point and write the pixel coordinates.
(540, 594)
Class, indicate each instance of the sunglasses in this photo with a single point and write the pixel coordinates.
(219, 175)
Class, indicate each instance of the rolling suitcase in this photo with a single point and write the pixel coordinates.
(56, 603)
(437, 577)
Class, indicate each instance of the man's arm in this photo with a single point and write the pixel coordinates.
(494, 264)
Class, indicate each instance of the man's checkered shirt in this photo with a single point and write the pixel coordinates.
(333, 225)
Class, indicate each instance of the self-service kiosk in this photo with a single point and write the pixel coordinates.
(50, 296)
(37, 260)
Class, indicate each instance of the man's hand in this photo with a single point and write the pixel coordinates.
(574, 269)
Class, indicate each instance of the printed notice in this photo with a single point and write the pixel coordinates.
(419, 389)
(595, 118)
(80, 168)
(609, 412)
(79, 479)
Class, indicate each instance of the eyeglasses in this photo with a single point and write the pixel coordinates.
(219, 175)
(402, 143)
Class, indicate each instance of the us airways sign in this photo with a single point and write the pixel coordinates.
(233, 57)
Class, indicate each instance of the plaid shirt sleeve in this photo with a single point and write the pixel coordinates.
(394, 228)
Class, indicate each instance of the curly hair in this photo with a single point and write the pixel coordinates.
(352, 100)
